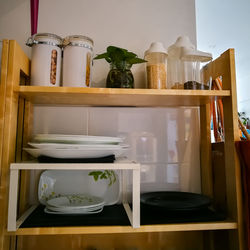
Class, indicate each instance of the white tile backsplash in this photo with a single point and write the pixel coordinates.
(60, 120)
(164, 140)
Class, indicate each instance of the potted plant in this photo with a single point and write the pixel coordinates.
(121, 61)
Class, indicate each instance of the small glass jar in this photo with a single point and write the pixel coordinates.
(77, 61)
(156, 57)
(45, 59)
(120, 77)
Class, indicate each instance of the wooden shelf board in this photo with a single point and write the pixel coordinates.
(118, 97)
(220, 225)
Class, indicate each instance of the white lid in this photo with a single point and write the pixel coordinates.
(195, 55)
(156, 47)
(183, 41)
(44, 38)
(77, 40)
(184, 50)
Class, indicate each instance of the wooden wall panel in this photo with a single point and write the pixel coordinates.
(142, 241)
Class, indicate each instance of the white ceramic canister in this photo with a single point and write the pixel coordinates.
(46, 59)
(77, 61)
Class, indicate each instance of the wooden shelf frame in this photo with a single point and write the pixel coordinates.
(16, 130)
(133, 214)
(118, 97)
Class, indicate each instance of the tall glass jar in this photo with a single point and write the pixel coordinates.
(120, 77)
(156, 57)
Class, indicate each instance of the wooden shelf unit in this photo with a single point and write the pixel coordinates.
(15, 128)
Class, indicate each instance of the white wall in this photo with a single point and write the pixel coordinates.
(132, 24)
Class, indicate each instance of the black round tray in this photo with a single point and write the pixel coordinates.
(175, 201)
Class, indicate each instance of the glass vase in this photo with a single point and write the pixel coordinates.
(120, 77)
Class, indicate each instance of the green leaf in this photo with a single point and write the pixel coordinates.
(95, 174)
(120, 57)
(136, 60)
(114, 49)
(103, 56)
(103, 176)
(107, 174)
(130, 55)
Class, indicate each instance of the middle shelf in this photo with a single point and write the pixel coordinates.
(118, 97)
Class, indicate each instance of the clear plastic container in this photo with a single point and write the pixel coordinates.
(184, 65)
(77, 61)
(45, 59)
(156, 57)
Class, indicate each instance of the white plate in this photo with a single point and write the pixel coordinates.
(46, 210)
(77, 146)
(75, 153)
(56, 183)
(78, 201)
(68, 209)
(77, 139)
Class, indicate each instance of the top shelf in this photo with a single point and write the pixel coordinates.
(118, 97)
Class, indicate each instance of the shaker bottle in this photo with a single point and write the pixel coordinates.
(156, 57)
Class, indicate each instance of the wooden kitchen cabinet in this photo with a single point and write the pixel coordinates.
(17, 99)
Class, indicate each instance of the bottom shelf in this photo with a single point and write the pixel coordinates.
(113, 219)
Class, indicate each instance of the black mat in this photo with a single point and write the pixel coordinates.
(105, 159)
(111, 215)
(116, 215)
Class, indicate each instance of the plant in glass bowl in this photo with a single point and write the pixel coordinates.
(121, 61)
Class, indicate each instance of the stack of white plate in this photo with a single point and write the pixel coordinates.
(75, 204)
(75, 146)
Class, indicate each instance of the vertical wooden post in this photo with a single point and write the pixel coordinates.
(232, 164)
(17, 61)
(24, 130)
(205, 148)
(4, 240)
(224, 67)
(3, 82)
